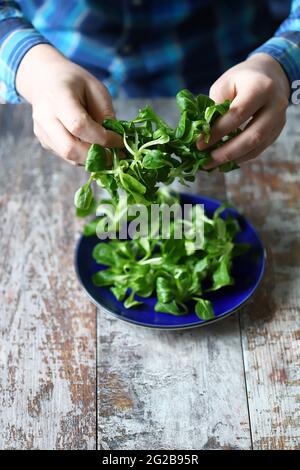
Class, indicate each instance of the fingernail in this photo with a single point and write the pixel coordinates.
(210, 166)
(200, 142)
(217, 154)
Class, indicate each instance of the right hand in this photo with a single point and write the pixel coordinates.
(68, 104)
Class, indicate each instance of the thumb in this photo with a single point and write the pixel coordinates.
(222, 89)
(99, 106)
(99, 102)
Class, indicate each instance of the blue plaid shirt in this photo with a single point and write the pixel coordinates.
(147, 47)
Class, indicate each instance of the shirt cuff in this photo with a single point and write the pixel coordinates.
(13, 47)
(285, 49)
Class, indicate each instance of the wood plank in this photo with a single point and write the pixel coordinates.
(47, 326)
(267, 191)
(171, 390)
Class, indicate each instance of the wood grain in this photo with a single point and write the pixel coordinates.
(171, 390)
(268, 192)
(47, 326)
(159, 390)
(166, 390)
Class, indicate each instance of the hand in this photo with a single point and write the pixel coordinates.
(68, 104)
(259, 90)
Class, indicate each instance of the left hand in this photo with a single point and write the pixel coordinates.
(259, 90)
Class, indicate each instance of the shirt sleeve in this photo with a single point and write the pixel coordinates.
(17, 36)
(284, 46)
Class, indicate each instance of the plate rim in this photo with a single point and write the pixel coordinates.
(188, 325)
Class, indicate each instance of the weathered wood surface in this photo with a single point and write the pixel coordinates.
(268, 191)
(47, 326)
(233, 385)
(188, 390)
(172, 390)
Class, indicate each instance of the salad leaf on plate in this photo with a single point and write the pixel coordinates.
(176, 270)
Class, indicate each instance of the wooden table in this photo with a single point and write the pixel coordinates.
(72, 378)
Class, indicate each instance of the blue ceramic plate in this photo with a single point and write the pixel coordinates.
(248, 270)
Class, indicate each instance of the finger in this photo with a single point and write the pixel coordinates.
(80, 124)
(255, 134)
(99, 102)
(251, 155)
(41, 136)
(242, 108)
(61, 142)
(99, 105)
(258, 151)
(222, 89)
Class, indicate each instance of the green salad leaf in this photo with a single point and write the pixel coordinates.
(175, 270)
(154, 152)
(139, 268)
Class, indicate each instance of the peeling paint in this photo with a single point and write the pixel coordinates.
(47, 326)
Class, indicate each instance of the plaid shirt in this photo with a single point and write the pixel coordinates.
(147, 47)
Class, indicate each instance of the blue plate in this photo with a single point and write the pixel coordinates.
(247, 271)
